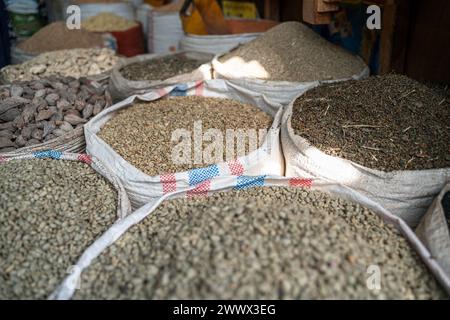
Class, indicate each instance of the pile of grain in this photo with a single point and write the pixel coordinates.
(143, 133)
(50, 211)
(160, 68)
(293, 52)
(264, 243)
(386, 122)
(37, 111)
(106, 21)
(66, 63)
(56, 36)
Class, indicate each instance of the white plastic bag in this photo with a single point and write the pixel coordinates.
(67, 288)
(143, 188)
(434, 231)
(121, 88)
(407, 194)
(215, 44)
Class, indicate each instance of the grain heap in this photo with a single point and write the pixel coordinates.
(293, 52)
(263, 243)
(66, 63)
(142, 133)
(56, 36)
(106, 21)
(35, 111)
(386, 122)
(50, 211)
(160, 68)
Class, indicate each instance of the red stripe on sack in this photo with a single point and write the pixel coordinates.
(236, 168)
(85, 158)
(299, 182)
(199, 88)
(169, 182)
(162, 92)
(2, 159)
(201, 190)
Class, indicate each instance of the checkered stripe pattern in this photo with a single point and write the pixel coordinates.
(53, 154)
(199, 86)
(236, 168)
(244, 182)
(197, 176)
(85, 158)
(169, 182)
(201, 190)
(299, 182)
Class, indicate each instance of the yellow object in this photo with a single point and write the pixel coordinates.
(233, 9)
(104, 22)
(206, 18)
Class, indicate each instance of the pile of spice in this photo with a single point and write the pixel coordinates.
(160, 68)
(263, 243)
(293, 52)
(106, 21)
(145, 134)
(35, 111)
(385, 122)
(50, 211)
(66, 63)
(56, 36)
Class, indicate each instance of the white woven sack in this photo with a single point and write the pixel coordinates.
(67, 288)
(215, 44)
(143, 188)
(164, 32)
(121, 88)
(283, 92)
(434, 231)
(407, 194)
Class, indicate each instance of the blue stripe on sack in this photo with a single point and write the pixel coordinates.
(244, 182)
(199, 175)
(47, 154)
(179, 91)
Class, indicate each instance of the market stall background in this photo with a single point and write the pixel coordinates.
(350, 129)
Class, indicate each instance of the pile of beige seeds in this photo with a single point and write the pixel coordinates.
(142, 133)
(36, 111)
(260, 243)
(292, 51)
(50, 212)
(66, 63)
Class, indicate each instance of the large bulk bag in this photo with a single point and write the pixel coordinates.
(121, 88)
(123, 209)
(407, 194)
(434, 231)
(67, 288)
(283, 92)
(142, 188)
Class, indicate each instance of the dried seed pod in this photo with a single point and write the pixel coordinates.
(44, 115)
(37, 134)
(20, 141)
(5, 142)
(10, 115)
(52, 98)
(87, 111)
(16, 91)
(73, 119)
(66, 126)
